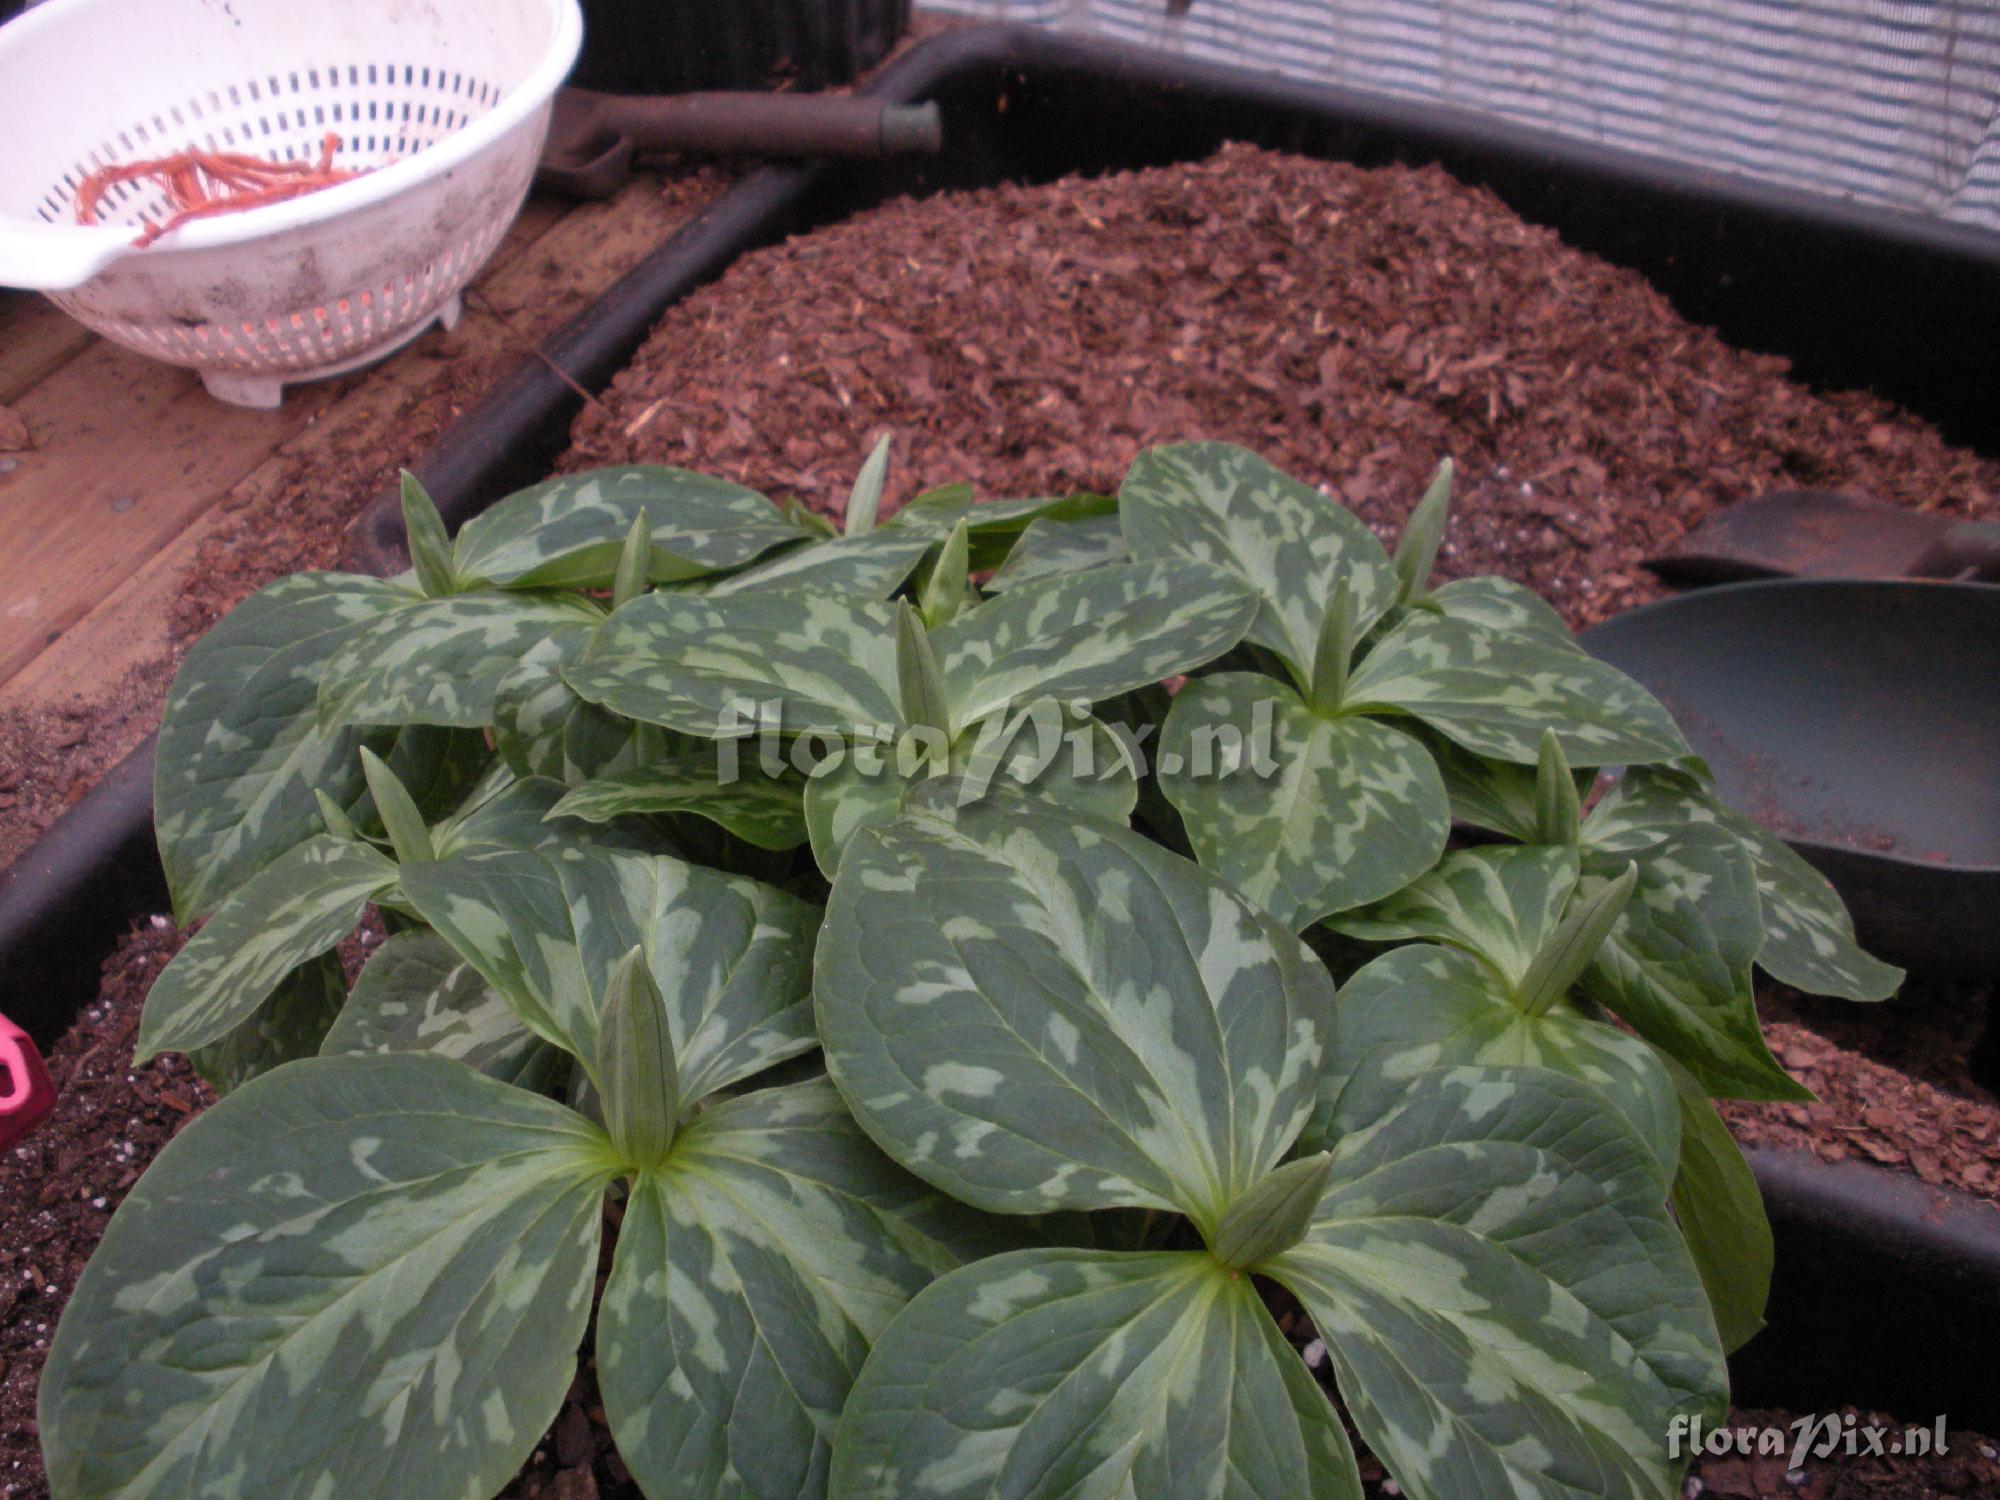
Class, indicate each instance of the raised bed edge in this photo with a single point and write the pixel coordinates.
(1888, 1290)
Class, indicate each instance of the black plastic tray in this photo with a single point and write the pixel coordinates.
(1889, 1290)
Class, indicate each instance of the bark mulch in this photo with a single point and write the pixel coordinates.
(1896, 1083)
(1352, 325)
(1871, 1113)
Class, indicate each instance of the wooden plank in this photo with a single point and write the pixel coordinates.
(35, 340)
(129, 625)
(129, 452)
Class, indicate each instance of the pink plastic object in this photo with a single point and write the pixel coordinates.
(26, 1094)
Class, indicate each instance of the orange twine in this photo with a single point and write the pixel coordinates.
(201, 184)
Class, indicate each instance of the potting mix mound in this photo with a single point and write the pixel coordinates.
(1353, 326)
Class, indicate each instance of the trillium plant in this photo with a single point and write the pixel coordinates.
(828, 972)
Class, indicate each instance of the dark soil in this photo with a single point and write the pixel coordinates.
(59, 1186)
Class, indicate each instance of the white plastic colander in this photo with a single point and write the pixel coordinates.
(447, 100)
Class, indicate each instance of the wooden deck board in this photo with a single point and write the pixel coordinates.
(35, 341)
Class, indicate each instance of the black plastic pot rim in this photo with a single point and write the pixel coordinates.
(64, 902)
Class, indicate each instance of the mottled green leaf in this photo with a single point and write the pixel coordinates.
(873, 566)
(1498, 904)
(1710, 870)
(1303, 814)
(635, 562)
(946, 589)
(865, 499)
(503, 812)
(1508, 1308)
(638, 1081)
(532, 705)
(998, 525)
(1035, 1011)
(733, 958)
(844, 796)
(1215, 503)
(1073, 1374)
(543, 727)
(409, 835)
(1053, 546)
(1038, 750)
(1558, 805)
(1645, 806)
(441, 661)
(289, 912)
(569, 531)
(933, 512)
(1423, 1007)
(415, 994)
(1273, 1215)
(1809, 938)
(1500, 604)
(919, 680)
(995, 517)
(1423, 534)
(1677, 965)
(753, 1271)
(703, 664)
(1495, 692)
(1574, 945)
(290, 1024)
(1491, 794)
(1090, 635)
(730, 956)
(430, 547)
(354, 1276)
(1721, 1213)
(240, 752)
(763, 810)
(1808, 934)
(994, 525)
(507, 914)
(1043, 750)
